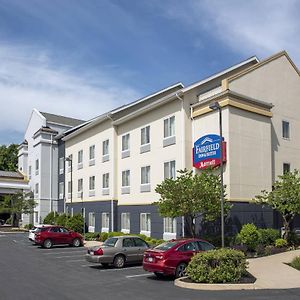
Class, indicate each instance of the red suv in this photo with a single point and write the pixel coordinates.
(172, 257)
(56, 235)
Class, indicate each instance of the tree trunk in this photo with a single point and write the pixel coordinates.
(189, 220)
(287, 219)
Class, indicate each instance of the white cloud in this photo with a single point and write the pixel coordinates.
(29, 79)
(248, 27)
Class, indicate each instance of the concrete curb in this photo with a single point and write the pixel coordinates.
(214, 286)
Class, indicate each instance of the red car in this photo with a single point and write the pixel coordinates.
(48, 236)
(172, 257)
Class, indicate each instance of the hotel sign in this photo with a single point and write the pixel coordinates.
(207, 152)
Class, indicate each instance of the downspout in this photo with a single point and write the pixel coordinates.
(182, 150)
(193, 134)
(112, 179)
(51, 150)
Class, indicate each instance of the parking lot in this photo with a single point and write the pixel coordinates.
(31, 272)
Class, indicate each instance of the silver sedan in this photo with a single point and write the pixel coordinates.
(118, 251)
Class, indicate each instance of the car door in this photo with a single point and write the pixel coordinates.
(204, 246)
(187, 251)
(140, 247)
(65, 236)
(54, 235)
(129, 249)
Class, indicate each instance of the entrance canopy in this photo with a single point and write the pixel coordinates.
(13, 182)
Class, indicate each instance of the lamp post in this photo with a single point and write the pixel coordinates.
(69, 159)
(216, 106)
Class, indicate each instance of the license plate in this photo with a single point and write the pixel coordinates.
(92, 252)
(150, 259)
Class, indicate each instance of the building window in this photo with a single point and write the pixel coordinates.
(105, 222)
(126, 178)
(29, 172)
(36, 217)
(80, 185)
(145, 219)
(80, 159)
(92, 183)
(69, 189)
(61, 165)
(285, 129)
(145, 135)
(92, 152)
(125, 222)
(91, 222)
(37, 167)
(169, 127)
(70, 162)
(61, 190)
(169, 170)
(145, 175)
(36, 190)
(125, 142)
(105, 147)
(286, 168)
(170, 225)
(105, 181)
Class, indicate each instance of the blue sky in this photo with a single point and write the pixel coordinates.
(82, 58)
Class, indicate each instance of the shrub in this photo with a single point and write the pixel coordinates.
(142, 236)
(51, 218)
(9, 221)
(280, 243)
(296, 263)
(270, 250)
(293, 239)
(62, 219)
(248, 236)
(103, 236)
(268, 236)
(115, 233)
(75, 223)
(217, 266)
(92, 236)
(28, 226)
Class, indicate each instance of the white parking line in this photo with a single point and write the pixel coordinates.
(53, 253)
(139, 275)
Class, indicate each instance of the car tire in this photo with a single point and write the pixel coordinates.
(119, 261)
(159, 275)
(180, 270)
(47, 244)
(76, 242)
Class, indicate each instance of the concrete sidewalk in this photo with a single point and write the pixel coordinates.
(88, 244)
(271, 272)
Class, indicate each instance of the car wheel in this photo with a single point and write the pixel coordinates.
(180, 270)
(76, 242)
(47, 244)
(159, 275)
(119, 261)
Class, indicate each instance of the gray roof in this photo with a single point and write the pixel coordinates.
(61, 119)
(11, 174)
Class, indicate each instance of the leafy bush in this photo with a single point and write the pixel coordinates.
(296, 263)
(92, 236)
(280, 243)
(217, 266)
(268, 236)
(270, 250)
(28, 226)
(75, 223)
(62, 219)
(103, 236)
(293, 239)
(248, 236)
(115, 233)
(9, 221)
(51, 218)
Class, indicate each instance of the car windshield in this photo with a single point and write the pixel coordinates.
(110, 242)
(166, 246)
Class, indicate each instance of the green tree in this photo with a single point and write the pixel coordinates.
(18, 204)
(285, 198)
(190, 195)
(9, 157)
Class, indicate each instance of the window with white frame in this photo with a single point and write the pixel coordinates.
(285, 129)
(91, 227)
(92, 152)
(80, 185)
(105, 147)
(105, 181)
(105, 221)
(170, 169)
(170, 225)
(145, 175)
(169, 127)
(145, 135)
(61, 190)
(36, 217)
(126, 178)
(80, 157)
(145, 219)
(29, 171)
(125, 142)
(286, 168)
(92, 183)
(37, 167)
(61, 165)
(125, 222)
(36, 190)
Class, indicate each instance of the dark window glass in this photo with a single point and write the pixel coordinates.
(42, 229)
(286, 168)
(188, 247)
(64, 230)
(54, 229)
(285, 129)
(140, 243)
(166, 246)
(110, 242)
(128, 243)
(205, 246)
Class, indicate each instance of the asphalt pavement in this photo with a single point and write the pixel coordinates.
(29, 272)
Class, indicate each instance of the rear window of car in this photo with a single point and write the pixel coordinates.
(41, 229)
(166, 246)
(110, 242)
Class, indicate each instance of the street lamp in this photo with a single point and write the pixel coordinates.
(216, 106)
(69, 159)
